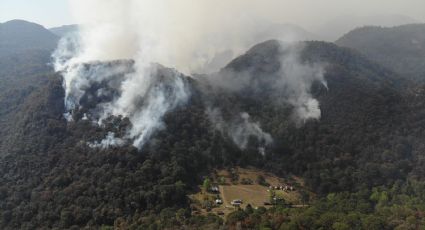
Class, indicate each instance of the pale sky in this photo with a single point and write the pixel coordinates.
(307, 13)
(48, 13)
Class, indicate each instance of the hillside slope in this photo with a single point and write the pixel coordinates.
(365, 138)
(401, 48)
(362, 107)
(25, 50)
(17, 36)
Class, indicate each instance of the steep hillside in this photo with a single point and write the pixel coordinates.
(401, 48)
(361, 107)
(25, 50)
(20, 76)
(361, 145)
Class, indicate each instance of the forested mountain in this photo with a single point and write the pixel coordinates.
(25, 50)
(18, 36)
(401, 48)
(363, 158)
(361, 108)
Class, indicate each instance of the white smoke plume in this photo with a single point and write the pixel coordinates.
(158, 99)
(296, 80)
(240, 129)
(144, 91)
(289, 80)
(185, 34)
(189, 35)
(109, 141)
(241, 132)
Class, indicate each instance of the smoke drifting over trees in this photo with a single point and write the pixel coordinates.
(178, 35)
(154, 105)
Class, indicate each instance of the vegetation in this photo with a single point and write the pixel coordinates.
(18, 37)
(363, 158)
(400, 48)
(396, 207)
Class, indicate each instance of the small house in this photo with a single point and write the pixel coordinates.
(236, 202)
(218, 201)
(215, 189)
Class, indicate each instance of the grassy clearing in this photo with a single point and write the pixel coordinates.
(250, 185)
(255, 195)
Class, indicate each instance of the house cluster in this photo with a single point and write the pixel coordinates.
(285, 188)
(216, 190)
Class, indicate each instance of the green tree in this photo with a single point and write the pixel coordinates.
(207, 184)
(340, 226)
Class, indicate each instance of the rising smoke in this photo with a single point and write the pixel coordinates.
(188, 35)
(240, 129)
(109, 141)
(296, 80)
(273, 70)
(285, 77)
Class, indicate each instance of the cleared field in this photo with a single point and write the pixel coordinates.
(255, 195)
(242, 184)
(249, 194)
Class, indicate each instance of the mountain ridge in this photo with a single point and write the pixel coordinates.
(20, 36)
(64, 30)
(366, 146)
(399, 48)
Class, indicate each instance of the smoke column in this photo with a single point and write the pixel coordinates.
(240, 129)
(188, 35)
(296, 79)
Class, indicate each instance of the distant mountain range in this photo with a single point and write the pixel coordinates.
(400, 48)
(335, 28)
(17, 36)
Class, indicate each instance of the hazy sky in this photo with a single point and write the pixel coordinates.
(46, 12)
(308, 13)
